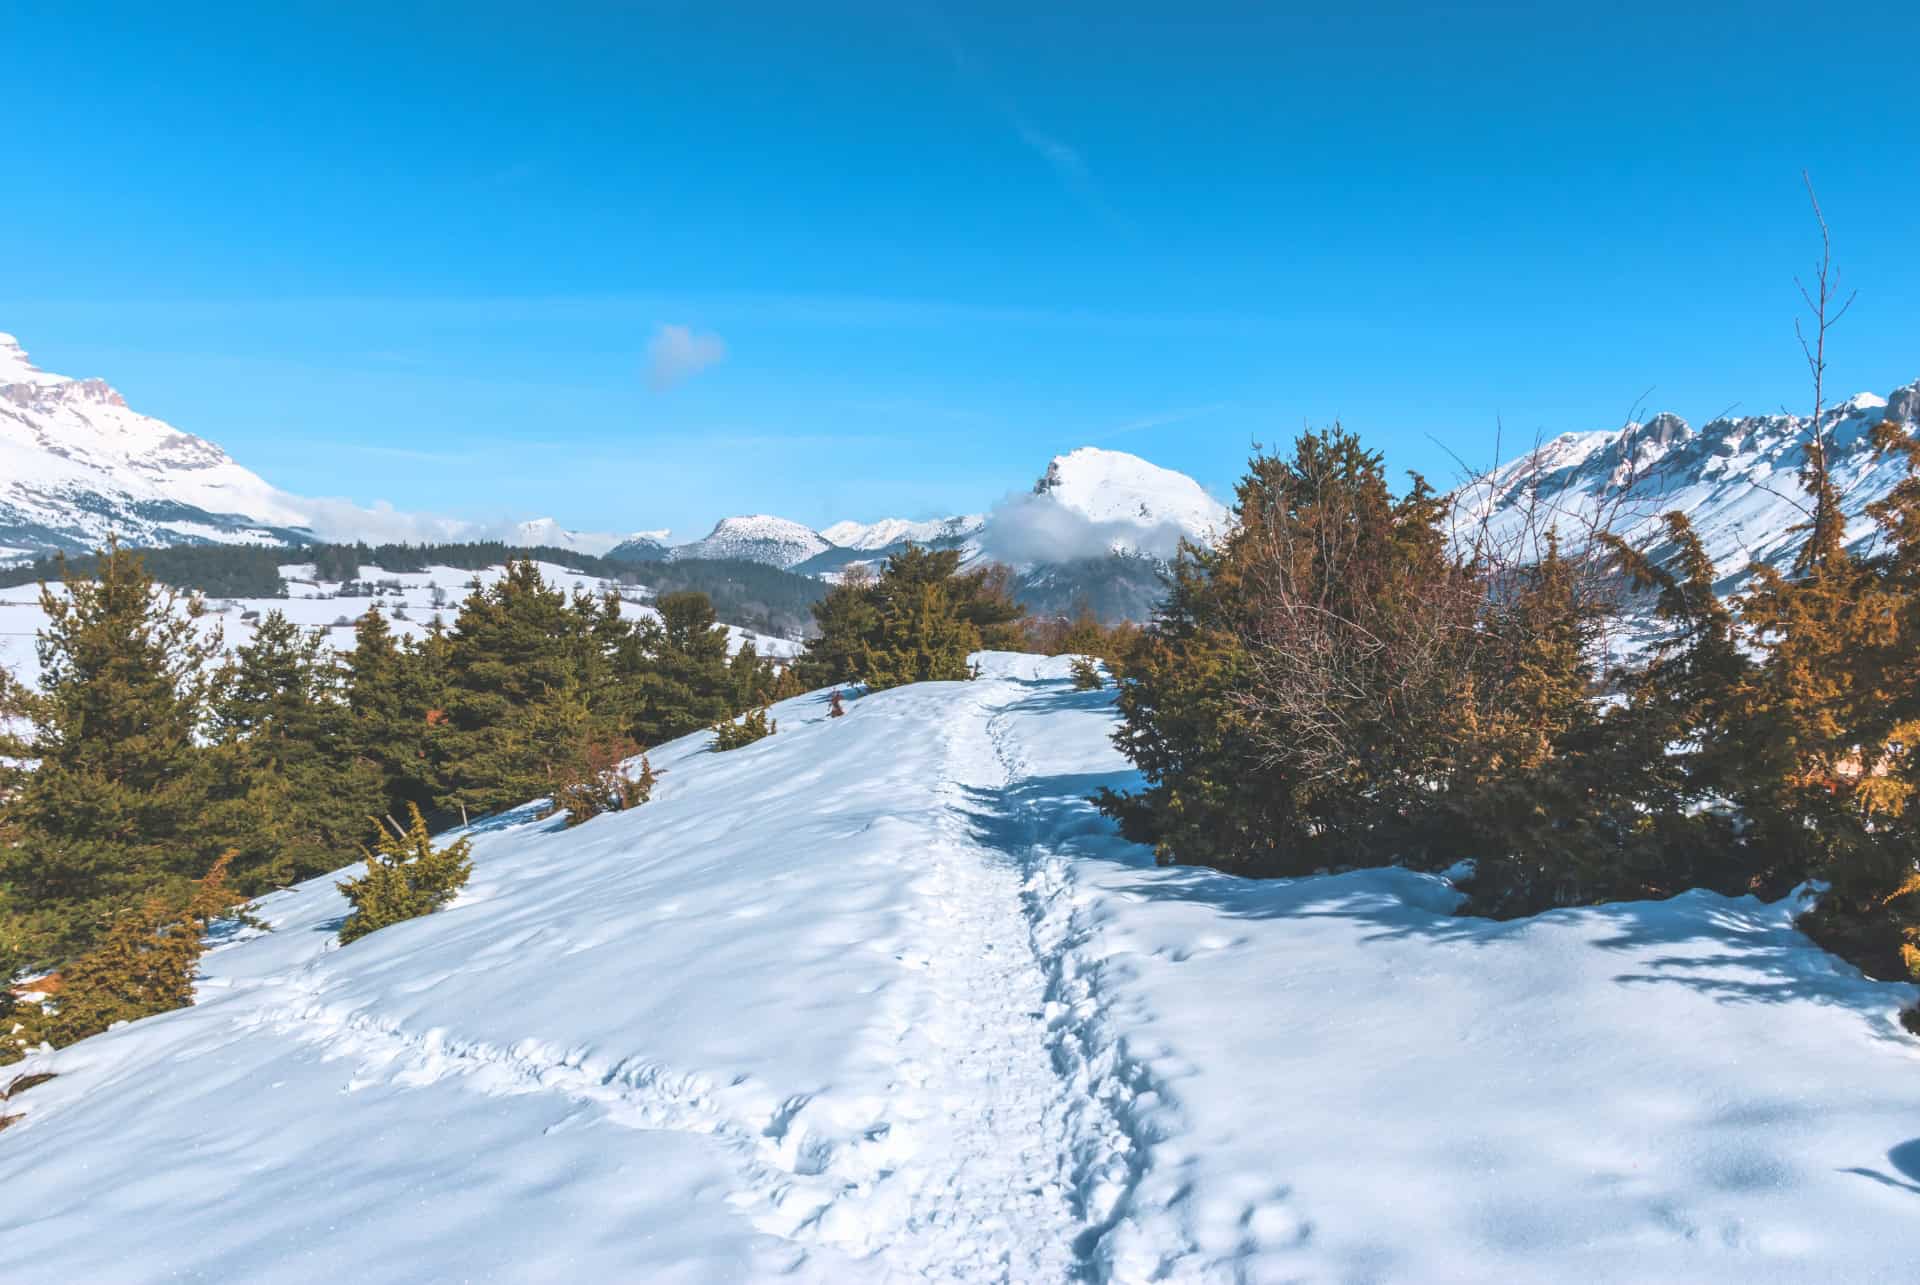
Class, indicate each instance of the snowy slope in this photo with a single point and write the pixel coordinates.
(410, 600)
(1736, 478)
(881, 998)
(887, 533)
(757, 537)
(1114, 487)
(76, 463)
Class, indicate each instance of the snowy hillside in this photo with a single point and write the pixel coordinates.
(880, 998)
(891, 532)
(1114, 487)
(1736, 478)
(410, 600)
(757, 538)
(77, 463)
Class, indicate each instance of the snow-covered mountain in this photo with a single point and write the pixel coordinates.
(882, 998)
(1736, 478)
(757, 537)
(77, 463)
(548, 533)
(1122, 491)
(869, 537)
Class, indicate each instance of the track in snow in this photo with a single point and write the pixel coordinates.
(1006, 1146)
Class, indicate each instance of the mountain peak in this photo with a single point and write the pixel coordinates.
(757, 537)
(1113, 486)
(17, 368)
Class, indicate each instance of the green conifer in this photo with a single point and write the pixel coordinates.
(116, 807)
(295, 784)
(406, 877)
(752, 726)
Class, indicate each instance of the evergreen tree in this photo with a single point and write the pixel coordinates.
(1086, 674)
(144, 965)
(919, 621)
(1297, 701)
(597, 782)
(731, 734)
(1832, 713)
(516, 705)
(406, 877)
(674, 674)
(846, 619)
(295, 789)
(389, 699)
(922, 637)
(116, 806)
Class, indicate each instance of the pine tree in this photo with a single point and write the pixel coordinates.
(145, 964)
(674, 675)
(1834, 713)
(517, 708)
(752, 726)
(1086, 674)
(1295, 703)
(922, 637)
(406, 877)
(116, 808)
(847, 618)
(388, 699)
(919, 622)
(295, 787)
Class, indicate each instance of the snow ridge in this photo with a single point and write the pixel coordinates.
(1736, 479)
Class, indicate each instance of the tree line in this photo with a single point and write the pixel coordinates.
(146, 750)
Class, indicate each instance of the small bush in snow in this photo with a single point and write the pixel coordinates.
(748, 728)
(598, 782)
(1086, 675)
(406, 877)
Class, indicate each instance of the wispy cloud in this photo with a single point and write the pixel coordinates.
(1068, 163)
(1164, 418)
(678, 352)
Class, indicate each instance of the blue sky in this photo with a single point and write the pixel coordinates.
(419, 252)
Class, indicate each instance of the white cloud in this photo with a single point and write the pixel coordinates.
(677, 352)
(1028, 528)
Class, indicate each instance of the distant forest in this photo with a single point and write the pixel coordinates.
(747, 594)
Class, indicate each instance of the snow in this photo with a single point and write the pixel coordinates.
(1735, 478)
(17, 368)
(1112, 486)
(757, 537)
(882, 998)
(75, 458)
(887, 532)
(407, 598)
(77, 463)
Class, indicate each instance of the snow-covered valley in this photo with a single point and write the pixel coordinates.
(884, 998)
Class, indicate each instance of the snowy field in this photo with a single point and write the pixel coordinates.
(882, 999)
(409, 598)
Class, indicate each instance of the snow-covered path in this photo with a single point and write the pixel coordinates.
(883, 998)
(870, 1044)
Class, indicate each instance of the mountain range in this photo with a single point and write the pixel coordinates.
(76, 463)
